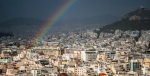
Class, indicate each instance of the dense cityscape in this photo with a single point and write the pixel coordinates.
(78, 54)
(74, 38)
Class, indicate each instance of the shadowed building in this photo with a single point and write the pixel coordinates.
(49, 51)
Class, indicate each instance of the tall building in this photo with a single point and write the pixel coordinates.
(127, 66)
(89, 55)
(134, 65)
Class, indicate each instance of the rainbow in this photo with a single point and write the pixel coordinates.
(52, 21)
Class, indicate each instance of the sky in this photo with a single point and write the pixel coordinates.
(44, 9)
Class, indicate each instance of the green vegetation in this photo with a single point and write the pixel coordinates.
(127, 25)
(141, 21)
(88, 46)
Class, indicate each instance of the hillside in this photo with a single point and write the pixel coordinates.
(32, 26)
(102, 19)
(5, 34)
(136, 20)
(21, 21)
(21, 26)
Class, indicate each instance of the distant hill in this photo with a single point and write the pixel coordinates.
(21, 21)
(139, 14)
(21, 26)
(136, 20)
(5, 34)
(102, 19)
(31, 26)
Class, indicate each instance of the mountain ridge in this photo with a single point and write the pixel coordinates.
(25, 26)
(135, 20)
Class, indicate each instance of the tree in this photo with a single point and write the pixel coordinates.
(136, 38)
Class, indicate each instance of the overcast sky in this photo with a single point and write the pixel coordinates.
(43, 9)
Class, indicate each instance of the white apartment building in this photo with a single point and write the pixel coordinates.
(80, 71)
(36, 72)
(89, 55)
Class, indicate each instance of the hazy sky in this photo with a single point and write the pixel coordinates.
(43, 9)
